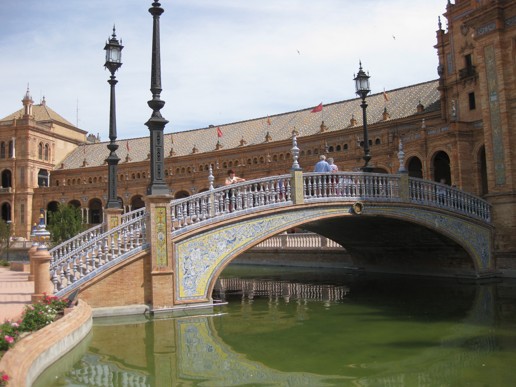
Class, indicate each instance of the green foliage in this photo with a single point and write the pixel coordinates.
(5, 231)
(43, 313)
(9, 332)
(64, 223)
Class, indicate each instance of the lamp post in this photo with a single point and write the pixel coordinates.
(157, 122)
(362, 89)
(113, 62)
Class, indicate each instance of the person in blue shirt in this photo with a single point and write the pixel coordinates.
(322, 165)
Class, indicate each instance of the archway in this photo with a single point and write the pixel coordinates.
(442, 168)
(6, 178)
(137, 202)
(6, 212)
(415, 167)
(181, 194)
(75, 203)
(95, 213)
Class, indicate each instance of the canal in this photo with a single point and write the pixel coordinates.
(310, 327)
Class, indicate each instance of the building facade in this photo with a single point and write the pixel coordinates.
(458, 129)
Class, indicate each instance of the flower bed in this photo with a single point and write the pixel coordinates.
(34, 318)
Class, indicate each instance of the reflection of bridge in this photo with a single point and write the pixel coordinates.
(280, 289)
(384, 221)
(197, 349)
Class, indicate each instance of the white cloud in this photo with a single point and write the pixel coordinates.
(222, 61)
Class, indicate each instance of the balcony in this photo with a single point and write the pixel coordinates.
(467, 72)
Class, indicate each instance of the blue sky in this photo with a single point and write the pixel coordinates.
(222, 61)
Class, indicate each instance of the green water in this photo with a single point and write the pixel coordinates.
(292, 327)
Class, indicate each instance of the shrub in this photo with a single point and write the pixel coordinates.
(43, 313)
(4, 378)
(9, 332)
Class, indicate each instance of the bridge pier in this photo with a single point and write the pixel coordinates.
(159, 231)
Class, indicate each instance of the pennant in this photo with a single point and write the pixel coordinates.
(219, 132)
(317, 109)
(385, 96)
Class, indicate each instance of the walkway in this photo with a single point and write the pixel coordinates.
(15, 293)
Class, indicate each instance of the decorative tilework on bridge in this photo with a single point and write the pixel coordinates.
(205, 254)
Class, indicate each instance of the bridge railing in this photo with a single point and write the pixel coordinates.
(351, 185)
(99, 253)
(244, 196)
(439, 195)
(297, 241)
(60, 251)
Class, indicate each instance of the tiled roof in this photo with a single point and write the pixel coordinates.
(41, 113)
(401, 103)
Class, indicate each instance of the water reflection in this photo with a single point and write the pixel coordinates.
(310, 332)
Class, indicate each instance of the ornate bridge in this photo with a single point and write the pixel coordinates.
(173, 251)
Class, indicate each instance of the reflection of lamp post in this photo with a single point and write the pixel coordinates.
(113, 63)
(362, 89)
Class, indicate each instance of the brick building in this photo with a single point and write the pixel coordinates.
(459, 127)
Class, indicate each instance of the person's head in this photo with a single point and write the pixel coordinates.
(330, 160)
(231, 172)
(322, 157)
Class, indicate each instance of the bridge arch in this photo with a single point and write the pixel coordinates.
(205, 254)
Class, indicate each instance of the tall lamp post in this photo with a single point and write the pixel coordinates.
(113, 62)
(157, 122)
(362, 89)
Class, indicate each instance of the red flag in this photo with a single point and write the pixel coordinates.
(385, 96)
(317, 109)
(219, 132)
(127, 145)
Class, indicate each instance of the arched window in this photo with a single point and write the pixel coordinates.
(40, 151)
(6, 178)
(415, 168)
(442, 168)
(377, 141)
(6, 212)
(2, 150)
(47, 152)
(11, 149)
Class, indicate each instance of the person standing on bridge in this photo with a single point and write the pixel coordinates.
(333, 166)
(232, 178)
(322, 165)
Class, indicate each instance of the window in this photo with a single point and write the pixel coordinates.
(468, 61)
(40, 151)
(472, 103)
(2, 150)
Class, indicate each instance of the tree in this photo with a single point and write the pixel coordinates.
(5, 231)
(64, 223)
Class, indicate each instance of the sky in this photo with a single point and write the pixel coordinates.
(222, 61)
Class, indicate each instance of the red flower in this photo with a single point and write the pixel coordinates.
(5, 377)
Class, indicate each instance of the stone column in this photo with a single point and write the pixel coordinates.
(42, 283)
(31, 251)
(159, 230)
(296, 185)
